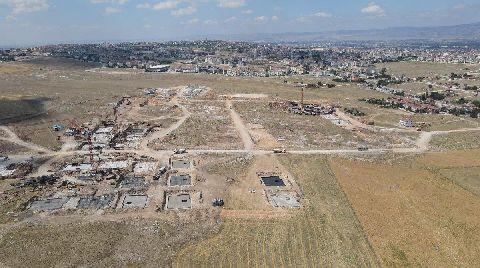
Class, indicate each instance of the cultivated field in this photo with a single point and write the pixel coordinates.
(411, 215)
(324, 233)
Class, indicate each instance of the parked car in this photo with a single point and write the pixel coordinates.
(279, 151)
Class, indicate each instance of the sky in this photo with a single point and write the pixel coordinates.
(37, 22)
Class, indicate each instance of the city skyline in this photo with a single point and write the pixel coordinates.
(31, 22)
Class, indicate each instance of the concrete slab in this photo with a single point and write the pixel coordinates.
(95, 202)
(180, 180)
(179, 201)
(48, 204)
(145, 168)
(134, 201)
(133, 182)
(284, 199)
(114, 165)
(78, 167)
(181, 164)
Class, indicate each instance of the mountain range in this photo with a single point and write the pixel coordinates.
(455, 32)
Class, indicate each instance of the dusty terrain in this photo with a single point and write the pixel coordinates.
(397, 203)
(420, 218)
(325, 232)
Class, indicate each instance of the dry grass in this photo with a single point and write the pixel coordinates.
(132, 243)
(74, 93)
(466, 177)
(10, 68)
(416, 87)
(209, 126)
(391, 118)
(11, 148)
(451, 159)
(457, 141)
(413, 217)
(416, 69)
(324, 233)
(299, 131)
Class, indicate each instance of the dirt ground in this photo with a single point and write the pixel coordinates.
(412, 216)
(324, 233)
(11, 148)
(66, 91)
(367, 210)
(416, 69)
(272, 127)
(63, 90)
(128, 243)
(457, 141)
(209, 126)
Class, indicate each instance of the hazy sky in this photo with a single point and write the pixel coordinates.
(26, 22)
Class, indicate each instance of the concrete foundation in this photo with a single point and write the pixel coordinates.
(179, 201)
(95, 202)
(284, 199)
(134, 201)
(180, 180)
(181, 164)
(48, 204)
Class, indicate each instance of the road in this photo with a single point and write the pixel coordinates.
(240, 126)
(422, 143)
(163, 133)
(13, 138)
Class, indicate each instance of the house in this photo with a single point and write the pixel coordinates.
(406, 122)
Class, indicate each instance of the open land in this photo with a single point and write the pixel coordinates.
(127, 168)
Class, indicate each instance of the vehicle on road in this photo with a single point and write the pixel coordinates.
(279, 151)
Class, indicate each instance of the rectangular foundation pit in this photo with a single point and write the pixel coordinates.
(273, 181)
(134, 201)
(180, 180)
(181, 164)
(179, 201)
(48, 204)
(95, 202)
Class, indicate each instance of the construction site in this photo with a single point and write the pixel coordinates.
(204, 172)
(109, 165)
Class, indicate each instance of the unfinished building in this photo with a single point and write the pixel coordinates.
(131, 137)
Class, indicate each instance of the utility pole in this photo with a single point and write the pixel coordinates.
(301, 103)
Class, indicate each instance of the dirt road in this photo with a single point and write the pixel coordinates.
(240, 126)
(13, 138)
(163, 133)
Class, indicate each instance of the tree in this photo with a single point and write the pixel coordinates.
(476, 103)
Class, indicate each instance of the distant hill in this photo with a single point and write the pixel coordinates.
(463, 31)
